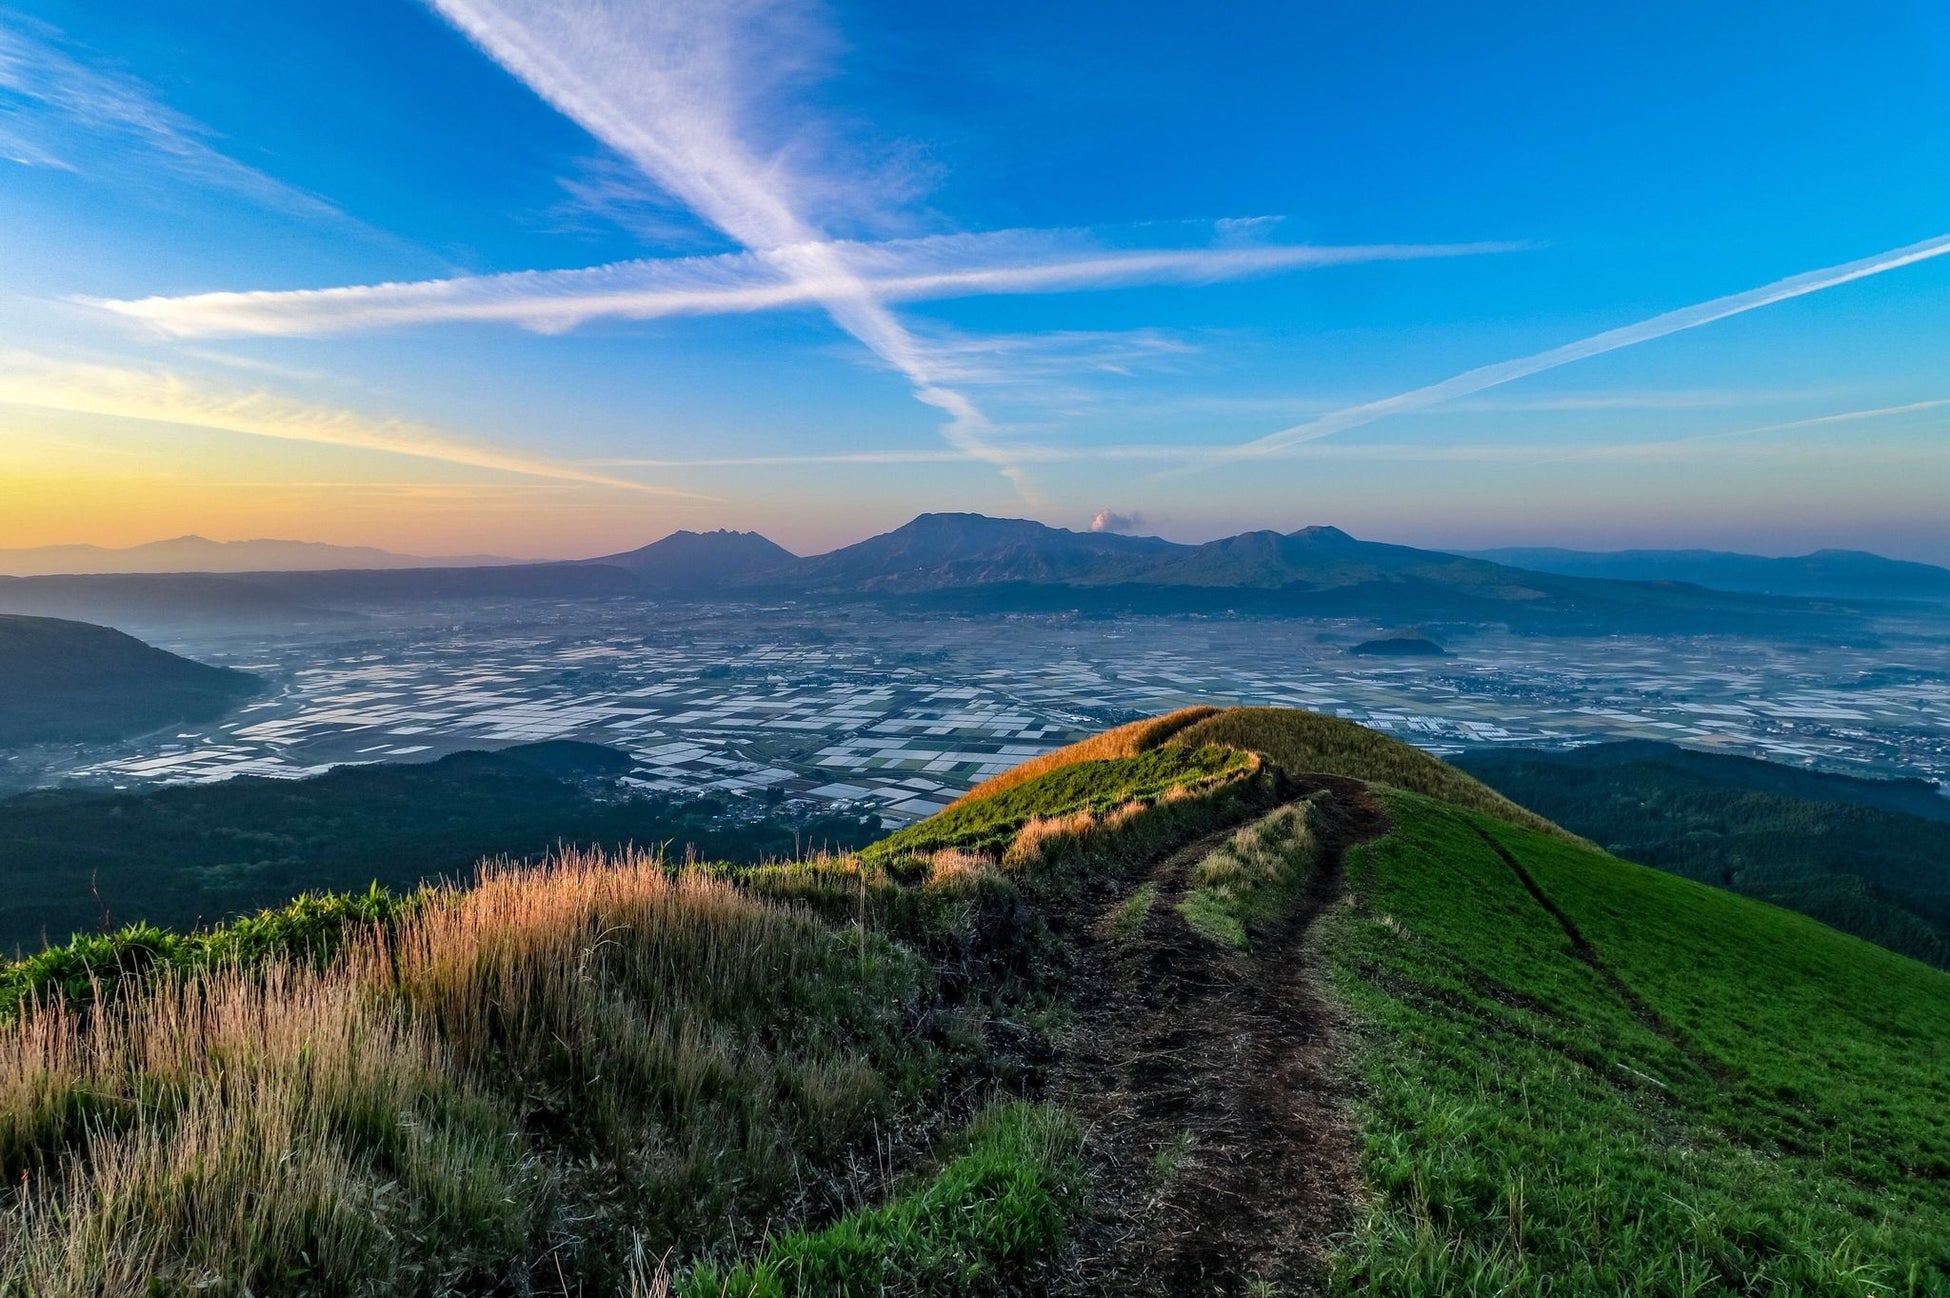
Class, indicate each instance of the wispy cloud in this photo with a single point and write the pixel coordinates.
(58, 112)
(1489, 376)
(1675, 448)
(675, 88)
(911, 270)
(681, 89)
(41, 382)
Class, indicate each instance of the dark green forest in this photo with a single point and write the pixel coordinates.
(179, 857)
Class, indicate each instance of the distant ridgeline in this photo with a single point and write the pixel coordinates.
(1829, 574)
(69, 681)
(971, 563)
(1871, 857)
(1337, 1017)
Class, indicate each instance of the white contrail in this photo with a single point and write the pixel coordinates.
(1658, 326)
(45, 383)
(910, 270)
(666, 85)
(1816, 421)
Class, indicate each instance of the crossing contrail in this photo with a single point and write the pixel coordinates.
(1672, 322)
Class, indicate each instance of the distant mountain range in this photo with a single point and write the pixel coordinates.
(970, 563)
(200, 554)
(1825, 574)
(69, 681)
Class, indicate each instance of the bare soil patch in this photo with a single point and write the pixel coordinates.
(1221, 1154)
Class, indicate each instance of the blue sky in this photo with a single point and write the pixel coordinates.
(550, 279)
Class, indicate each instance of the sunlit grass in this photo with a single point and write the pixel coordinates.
(1125, 741)
(1759, 1113)
(1302, 743)
(1247, 881)
(1070, 800)
(572, 1061)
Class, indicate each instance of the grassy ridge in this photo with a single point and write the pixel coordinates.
(563, 1071)
(1124, 741)
(1301, 743)
(1683, 1092)
(1098, 787)
(1577, 1075)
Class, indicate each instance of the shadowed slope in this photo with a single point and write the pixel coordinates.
(62, 680)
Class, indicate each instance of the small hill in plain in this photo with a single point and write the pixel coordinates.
(1336, 1017)
(63, 681)
(1399, 646)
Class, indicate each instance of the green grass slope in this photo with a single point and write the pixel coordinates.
(1584, 1076)
(1870, 857)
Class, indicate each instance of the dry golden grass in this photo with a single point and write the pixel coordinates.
(1125, 741)
(1303, 743)
(574, 1060)
(1040, 834)
(230, 1129)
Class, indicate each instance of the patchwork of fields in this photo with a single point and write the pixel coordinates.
(900, 716)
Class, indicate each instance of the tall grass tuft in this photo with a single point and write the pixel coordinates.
(1247, 881)
(235, 1130)
(544, 1071)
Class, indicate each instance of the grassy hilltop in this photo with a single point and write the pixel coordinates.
(1250, 1001)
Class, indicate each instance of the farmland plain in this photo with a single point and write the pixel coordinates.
(861, 708)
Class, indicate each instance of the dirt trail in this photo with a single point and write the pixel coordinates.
(1221, 1155)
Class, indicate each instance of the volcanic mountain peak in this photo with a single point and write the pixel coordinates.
(687, 560)
(1323, 534)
